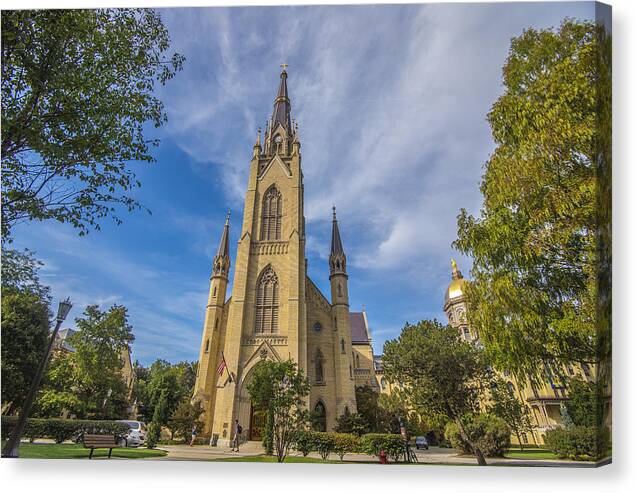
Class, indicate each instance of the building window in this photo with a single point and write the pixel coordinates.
(350, 371)
(587, 370)
(570, 370)
(317, 327)
(358, 362)
(271, 215)
(340, 291)
(383, 383)
(467, 336)
(216, 323)
(207, 345)
(342, 345)
(318, 368)
(214, 291)
(267, 318)
(320, 417)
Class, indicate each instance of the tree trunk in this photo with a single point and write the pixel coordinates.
(476, 450)
(519, 440)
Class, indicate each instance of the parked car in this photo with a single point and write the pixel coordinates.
(421, 442)
(136, 435)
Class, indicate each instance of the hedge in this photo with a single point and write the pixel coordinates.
(323, 443)
(588, 443)
(303, 442)
(373, 443)
(63, 429)
(489, 433)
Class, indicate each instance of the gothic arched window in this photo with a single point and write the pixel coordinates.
(318, 368)
(320, 417)
(207, 345)
(267, 317)
(342, 345)
(271, 213)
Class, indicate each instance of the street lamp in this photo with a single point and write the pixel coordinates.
(11, 449)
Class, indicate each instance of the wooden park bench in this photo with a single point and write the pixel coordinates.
(100, 441)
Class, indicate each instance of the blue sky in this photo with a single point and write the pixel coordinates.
(391, 102)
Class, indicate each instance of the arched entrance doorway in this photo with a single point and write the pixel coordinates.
(257, 422)
(320, 417)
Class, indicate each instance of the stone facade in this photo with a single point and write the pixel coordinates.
(276, 312)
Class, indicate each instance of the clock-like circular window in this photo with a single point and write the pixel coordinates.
(317, 327)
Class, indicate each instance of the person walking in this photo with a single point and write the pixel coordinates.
(237, 436)
(193, 435)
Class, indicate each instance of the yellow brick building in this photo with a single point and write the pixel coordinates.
(544, 400)
(276, 312)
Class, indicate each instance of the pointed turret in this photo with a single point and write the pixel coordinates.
(281, 113)
(221, 262)
(337, 254)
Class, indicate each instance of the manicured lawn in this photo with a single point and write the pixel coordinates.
(73, 451)
(529, 454)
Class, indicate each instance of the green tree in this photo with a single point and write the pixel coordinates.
(25, 334)
(184, 418)
(505, 405)
(353, 423)
(91, 373)
(541, 244)
(281, 388)
(78, 91)
(20, 273)
(446, 375)
(375, 417)
(176, 381)
(583, 406)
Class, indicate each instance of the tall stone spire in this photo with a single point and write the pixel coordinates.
(281, 113)
(337, 254)
(221, 262)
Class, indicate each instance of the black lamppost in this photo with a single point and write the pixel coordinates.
(11, 449)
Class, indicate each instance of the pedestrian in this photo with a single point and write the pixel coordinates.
(193, 435)
(237, 436)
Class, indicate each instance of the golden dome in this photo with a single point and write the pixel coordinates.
(456, 286)
(455, 289)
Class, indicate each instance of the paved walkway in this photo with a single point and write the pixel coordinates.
(435, 455)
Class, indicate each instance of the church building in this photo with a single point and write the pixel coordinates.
(275, 311)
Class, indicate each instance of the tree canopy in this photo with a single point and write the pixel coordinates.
(88, 381)
(77, 97)
(445, 375)
(281, 389)
(537, 255)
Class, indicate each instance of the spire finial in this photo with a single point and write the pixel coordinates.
(284, 66)
(228, 217)
(454, 266)
(334, 212)
(258, 142)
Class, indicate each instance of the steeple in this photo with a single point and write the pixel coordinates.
(337, 254)
(221, 261)
(281, 113)
(455, 273)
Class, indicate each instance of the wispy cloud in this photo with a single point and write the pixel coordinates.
(391, 101)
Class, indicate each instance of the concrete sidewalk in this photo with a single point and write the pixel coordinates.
(433, 456)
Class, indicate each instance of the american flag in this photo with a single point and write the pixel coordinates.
(222, 366)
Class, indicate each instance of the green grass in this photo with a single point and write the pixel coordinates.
(73, 451)
(530, 454)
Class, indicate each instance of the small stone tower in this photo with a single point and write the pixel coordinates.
(204, 385)
(455, 305)
(345, 395)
